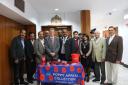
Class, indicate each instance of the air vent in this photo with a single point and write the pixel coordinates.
(20, 4)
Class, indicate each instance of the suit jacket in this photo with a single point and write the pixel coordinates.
(114, 49)
(52, 48)
(72, 45)
(99, 50)
(66, 46)
(30, 50)
(16, 50)
(39, 50)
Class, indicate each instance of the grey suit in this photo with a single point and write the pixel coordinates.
(98, 56)
(115, 49)
(52, 48)
(39, 50)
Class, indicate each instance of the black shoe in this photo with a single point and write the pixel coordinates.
(107, 83)
(23, 82)
(101, 83)
(95, 80)
(87, 79)
(16, 83)
(30, 81)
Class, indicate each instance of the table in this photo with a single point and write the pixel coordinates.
(64, 74)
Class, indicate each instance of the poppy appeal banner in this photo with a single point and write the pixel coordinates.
(64, 74)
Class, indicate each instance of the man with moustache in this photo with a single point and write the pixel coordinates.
(113, 56)
(18, 54)
(31, 63)
(64, 51)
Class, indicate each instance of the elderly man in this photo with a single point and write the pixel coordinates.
(98, 56)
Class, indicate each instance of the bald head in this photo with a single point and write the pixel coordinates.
(97, 34)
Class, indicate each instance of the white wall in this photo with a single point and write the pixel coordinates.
(72, 18)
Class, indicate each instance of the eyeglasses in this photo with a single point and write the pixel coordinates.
(110, 30)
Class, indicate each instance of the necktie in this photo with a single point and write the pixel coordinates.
(52, 41)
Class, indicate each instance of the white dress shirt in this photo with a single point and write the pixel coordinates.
(110, 39)
(42, 41)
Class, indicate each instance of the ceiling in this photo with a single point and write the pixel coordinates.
(96, 6)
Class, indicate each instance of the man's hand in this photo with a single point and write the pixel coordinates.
(52, 54)
(16, 61)
(87, 54)
(83, 56)
(117, 62)
(102, 60)
(31, 60)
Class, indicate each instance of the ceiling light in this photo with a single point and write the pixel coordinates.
(56, 9)
(126, 16)
(114, 9)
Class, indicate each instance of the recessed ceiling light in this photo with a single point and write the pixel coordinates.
(56, 9)
(114, 9)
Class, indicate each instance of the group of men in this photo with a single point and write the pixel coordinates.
(29, 52)
(105, 53)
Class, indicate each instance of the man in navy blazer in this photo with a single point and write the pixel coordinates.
(64, 52)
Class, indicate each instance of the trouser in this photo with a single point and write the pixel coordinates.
(63, 57)
(100, 66)
(112, 72)
(31, 68)
(19, 71)
(86, 65)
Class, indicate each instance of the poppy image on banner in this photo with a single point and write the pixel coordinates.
(42, 77)
(47, 68)
(71, 68)
(82, 82)
(50, 77)
(83, 74)
(79, 70)
(63, 70)
(55, 69)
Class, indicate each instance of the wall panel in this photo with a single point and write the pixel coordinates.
(8, 30)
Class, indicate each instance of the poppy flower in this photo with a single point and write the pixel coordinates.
(79, 70)
(83, 74)
(82, 82)
(55, 69)
(63, 70)
(50, 77)
(47, 68)
(71, 68)
(42, 77)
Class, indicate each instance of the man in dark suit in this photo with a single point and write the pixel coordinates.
(18, 47)
(64, 52)
(52, 46)
(31, 64)
(113, 55)
(74, 43)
